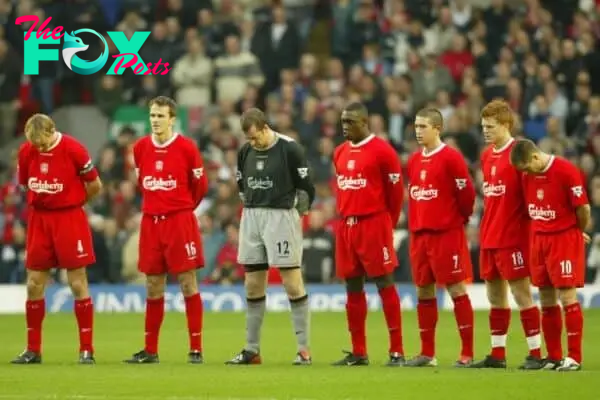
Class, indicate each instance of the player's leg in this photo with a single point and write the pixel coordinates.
(252, 254)
(574, 325)
(375, 249)
(293, 283)
(427, 308)
(282, 236)
(390, 302)
(567, 272)
(84, 313)
(35, 311)
(40, 258)
(194, 314)
(452, 267)
(151, 263)
(552, 326)
(499, 321)
(530, 321)
(348, 268)
(184, 255)
(74, 250)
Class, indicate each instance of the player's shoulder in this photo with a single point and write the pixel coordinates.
(186, 142)
(564, 166)
(25, 149)
(451, 154)
(382, 145)
(142, 142)
(70, 141)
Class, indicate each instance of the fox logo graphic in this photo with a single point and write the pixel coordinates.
(74, 45)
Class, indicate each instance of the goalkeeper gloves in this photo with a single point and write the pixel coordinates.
(302, 202)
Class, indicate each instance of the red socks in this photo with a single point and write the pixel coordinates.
(193, 313)
(574, 324)
(35, 310)
(84, 313)
(391, 309)
(155, 313)
(356, 315)
(530, 319)
(552, 329)
(463, 312)
(427, 314)
(499, 322)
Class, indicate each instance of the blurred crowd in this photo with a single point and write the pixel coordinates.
(301, 61)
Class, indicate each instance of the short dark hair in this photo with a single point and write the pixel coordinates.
(358, 107)
(253, 117)
(522, 151)
(164, 101)
(433, 115)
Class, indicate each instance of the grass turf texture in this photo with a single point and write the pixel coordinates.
(118, 336)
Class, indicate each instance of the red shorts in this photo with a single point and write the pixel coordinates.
(364, 246)
(508, 264)
(59, 239)
(440, 257)
(170, 244)
(558, 259)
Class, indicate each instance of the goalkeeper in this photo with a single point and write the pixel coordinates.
(274, 183)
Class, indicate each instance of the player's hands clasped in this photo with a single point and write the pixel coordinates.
(586, 238)
(302, 203)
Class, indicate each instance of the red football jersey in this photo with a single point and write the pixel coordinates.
(369, 178)
(553, 196)
(56, 178)
(505, 221)
(441, 193)
(170, 175)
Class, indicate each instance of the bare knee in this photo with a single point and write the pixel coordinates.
(355, 285)
(426, 292)
(36, 284)
(384, 281)
(255, 283)
(548, 297)
(78, 282)
(521, 291)
(567, 296)
(457, 289)
(188, 283)
(496, 293)
(155, 286)
(293, 282)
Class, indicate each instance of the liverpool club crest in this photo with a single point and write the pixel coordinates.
(44, 168)
(351, 165)
(493, 172)
(159, 165)
(423, 174)
(540, 194)
(260, 165)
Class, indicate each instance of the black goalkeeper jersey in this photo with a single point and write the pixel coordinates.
(269, 178)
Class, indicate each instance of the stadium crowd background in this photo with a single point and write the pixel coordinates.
(301, 61)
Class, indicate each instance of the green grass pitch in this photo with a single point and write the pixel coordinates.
(117, 336)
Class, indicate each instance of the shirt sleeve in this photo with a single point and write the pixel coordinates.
(574, 182)
(83, 163)
(464, 189)
(299, 171)
(198, 179)
(393, 184)
(239, 173)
